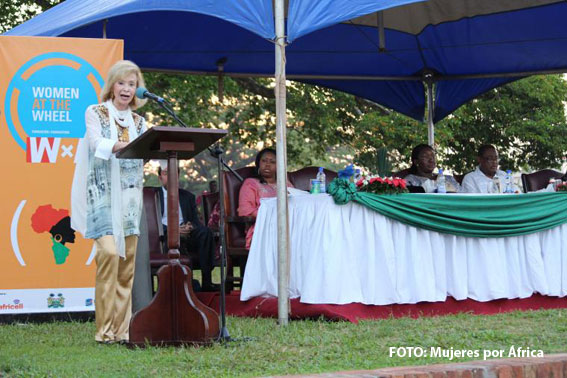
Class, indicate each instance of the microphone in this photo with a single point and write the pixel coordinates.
(142, 93)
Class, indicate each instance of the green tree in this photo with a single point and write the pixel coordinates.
(314, 132)
(14, 12)
(525, 120)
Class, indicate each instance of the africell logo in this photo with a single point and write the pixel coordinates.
(16, 306)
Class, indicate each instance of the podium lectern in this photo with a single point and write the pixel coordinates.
(174, 316)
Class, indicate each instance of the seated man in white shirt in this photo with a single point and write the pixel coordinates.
(486, 178)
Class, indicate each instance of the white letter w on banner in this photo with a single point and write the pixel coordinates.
(43, 152)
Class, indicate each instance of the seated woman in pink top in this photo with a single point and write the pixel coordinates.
(255, 188)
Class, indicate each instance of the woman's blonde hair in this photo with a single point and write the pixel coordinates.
(119, 71)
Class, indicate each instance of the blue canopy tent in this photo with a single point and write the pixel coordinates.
(384, 51)
(464, 48)
(176, 35)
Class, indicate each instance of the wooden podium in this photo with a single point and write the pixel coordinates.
(174, 316)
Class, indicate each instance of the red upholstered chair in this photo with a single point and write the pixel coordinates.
(401, 174)
(301, 178)
(158, 257)
(538, 180)
(209, 201)
(235, 227)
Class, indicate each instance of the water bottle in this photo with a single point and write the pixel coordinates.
(441, 182)
(509, 188)
(322, 180)
(357, 175)
(496, 185)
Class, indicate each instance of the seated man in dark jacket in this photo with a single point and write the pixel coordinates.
(194, 236)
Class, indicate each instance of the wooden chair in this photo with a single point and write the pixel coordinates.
(208, 202)
(301, 178)
(158, 255)
(401, 174)
(235, 227)
(538, 180)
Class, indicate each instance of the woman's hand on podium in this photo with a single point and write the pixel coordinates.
(118, 146)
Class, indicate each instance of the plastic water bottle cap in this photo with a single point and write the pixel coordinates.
(440, 171)
(508, 171)
(320, 169)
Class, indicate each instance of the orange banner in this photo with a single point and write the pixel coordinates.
(45, 87)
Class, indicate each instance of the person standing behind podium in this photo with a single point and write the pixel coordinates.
(106, 197)
(482, 179)
(193, 235)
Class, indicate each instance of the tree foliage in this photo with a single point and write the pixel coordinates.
(525, 120)
(14, 12)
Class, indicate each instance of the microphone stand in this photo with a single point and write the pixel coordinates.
(217, 153)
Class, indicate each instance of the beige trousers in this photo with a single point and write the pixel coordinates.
(113, 289)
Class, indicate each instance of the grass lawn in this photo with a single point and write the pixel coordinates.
(68, 349)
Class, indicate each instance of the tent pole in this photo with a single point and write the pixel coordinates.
(430, 113)
(104, 28)
(281, 162)
(381, 36)
(220, 82)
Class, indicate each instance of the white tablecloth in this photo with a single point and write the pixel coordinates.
(344, 254)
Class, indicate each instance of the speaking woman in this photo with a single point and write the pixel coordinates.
(107, 197)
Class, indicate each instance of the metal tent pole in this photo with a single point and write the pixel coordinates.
(430, 112)
(281, 162)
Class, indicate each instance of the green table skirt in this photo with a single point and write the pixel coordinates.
(483, 216)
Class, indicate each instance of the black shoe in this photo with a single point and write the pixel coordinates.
(105, 342)
(210, 287)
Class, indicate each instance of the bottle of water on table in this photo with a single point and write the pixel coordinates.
(495, 185)
(509, 188)
(357, 175)
(322, 180)
(441, 182)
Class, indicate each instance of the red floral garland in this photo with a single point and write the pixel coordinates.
(382, 185)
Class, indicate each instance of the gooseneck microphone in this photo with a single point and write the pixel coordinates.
(142, 92)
